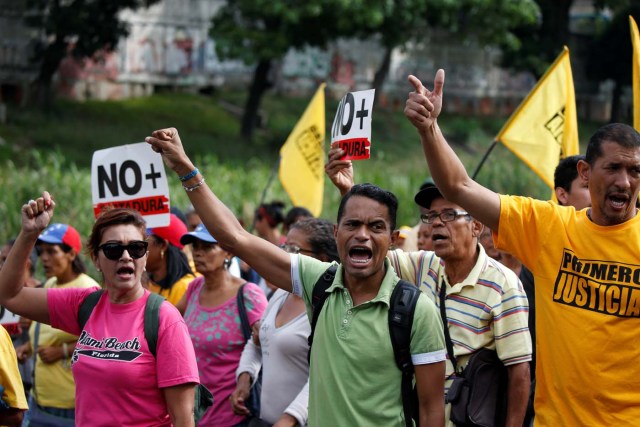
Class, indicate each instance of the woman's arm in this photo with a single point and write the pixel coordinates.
(182, 304)
(27, 302)
(180, 404)
(250, 361)
(298, 409)
(271, 262)
(53, 353)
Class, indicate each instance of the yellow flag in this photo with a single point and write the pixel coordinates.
(544, 128)
(302, 157)
(635, 41)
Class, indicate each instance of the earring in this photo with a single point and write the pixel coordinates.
(226, 263)
(161, 254)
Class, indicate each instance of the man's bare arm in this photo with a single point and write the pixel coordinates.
(422, 109)
(271, 262)
(430, 386)
(518, 393)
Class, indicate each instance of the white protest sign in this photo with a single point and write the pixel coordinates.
(131, 176)
(351, 128)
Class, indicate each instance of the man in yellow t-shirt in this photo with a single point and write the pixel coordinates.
(586, 266)
(14, 402)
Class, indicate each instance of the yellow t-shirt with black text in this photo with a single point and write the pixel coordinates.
(587, 285)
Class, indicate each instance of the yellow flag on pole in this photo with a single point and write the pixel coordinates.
(302, 157)
(635, 41)
(544, 127)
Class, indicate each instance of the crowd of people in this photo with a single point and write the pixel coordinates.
(201, 316)
(548, 288)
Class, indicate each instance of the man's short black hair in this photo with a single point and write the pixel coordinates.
(619, 133)
(373, 192)
(566, 172)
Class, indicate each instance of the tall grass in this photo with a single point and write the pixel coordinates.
(239, 186)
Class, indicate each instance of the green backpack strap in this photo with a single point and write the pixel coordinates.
(203, 397)
(87, 306)
(152, 321)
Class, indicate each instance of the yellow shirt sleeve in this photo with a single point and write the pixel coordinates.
(175, 292)
(13, 394)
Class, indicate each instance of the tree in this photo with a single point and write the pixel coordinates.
(261, 31)
(396, 22)
(490, 22)
(80, 27)
(543, 39)
(610, 55)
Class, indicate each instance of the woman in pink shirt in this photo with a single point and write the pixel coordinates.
(118, 380)
(211, 313)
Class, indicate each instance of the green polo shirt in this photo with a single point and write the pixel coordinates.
(353, 377)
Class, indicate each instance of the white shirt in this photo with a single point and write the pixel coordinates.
(283, 355)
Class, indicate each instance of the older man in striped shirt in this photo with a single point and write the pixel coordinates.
(486, 306)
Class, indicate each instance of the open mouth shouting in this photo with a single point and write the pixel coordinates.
(360, 256)
(438, 237)
(618, 201)
(125, 273)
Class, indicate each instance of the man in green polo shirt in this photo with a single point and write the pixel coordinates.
(354, 380)
(485, 303)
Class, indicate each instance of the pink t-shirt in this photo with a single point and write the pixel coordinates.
(118, 381)
(217, 337)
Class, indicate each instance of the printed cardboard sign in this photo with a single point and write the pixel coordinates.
(351, 128)
(10, 321)
(131, 176)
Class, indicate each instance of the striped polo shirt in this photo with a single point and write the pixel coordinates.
(488, 309)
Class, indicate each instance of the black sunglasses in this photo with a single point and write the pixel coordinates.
(114, 251)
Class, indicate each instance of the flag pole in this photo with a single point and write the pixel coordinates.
(483, 159)
(274, 171)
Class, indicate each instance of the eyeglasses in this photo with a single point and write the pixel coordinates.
(113, 251)
(293, 249)
(445, 216)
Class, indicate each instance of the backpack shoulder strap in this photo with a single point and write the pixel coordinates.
(152, 321)
(401, 310)
(242, 311)
(318, 297)
(87, 306)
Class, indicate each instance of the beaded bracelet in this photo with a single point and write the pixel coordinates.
(193, 187)
(190, 175)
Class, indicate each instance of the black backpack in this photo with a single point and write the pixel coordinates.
(401, 309)
(204, 398)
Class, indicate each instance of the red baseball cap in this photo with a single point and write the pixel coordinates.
(172, 232)
(59, 234)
